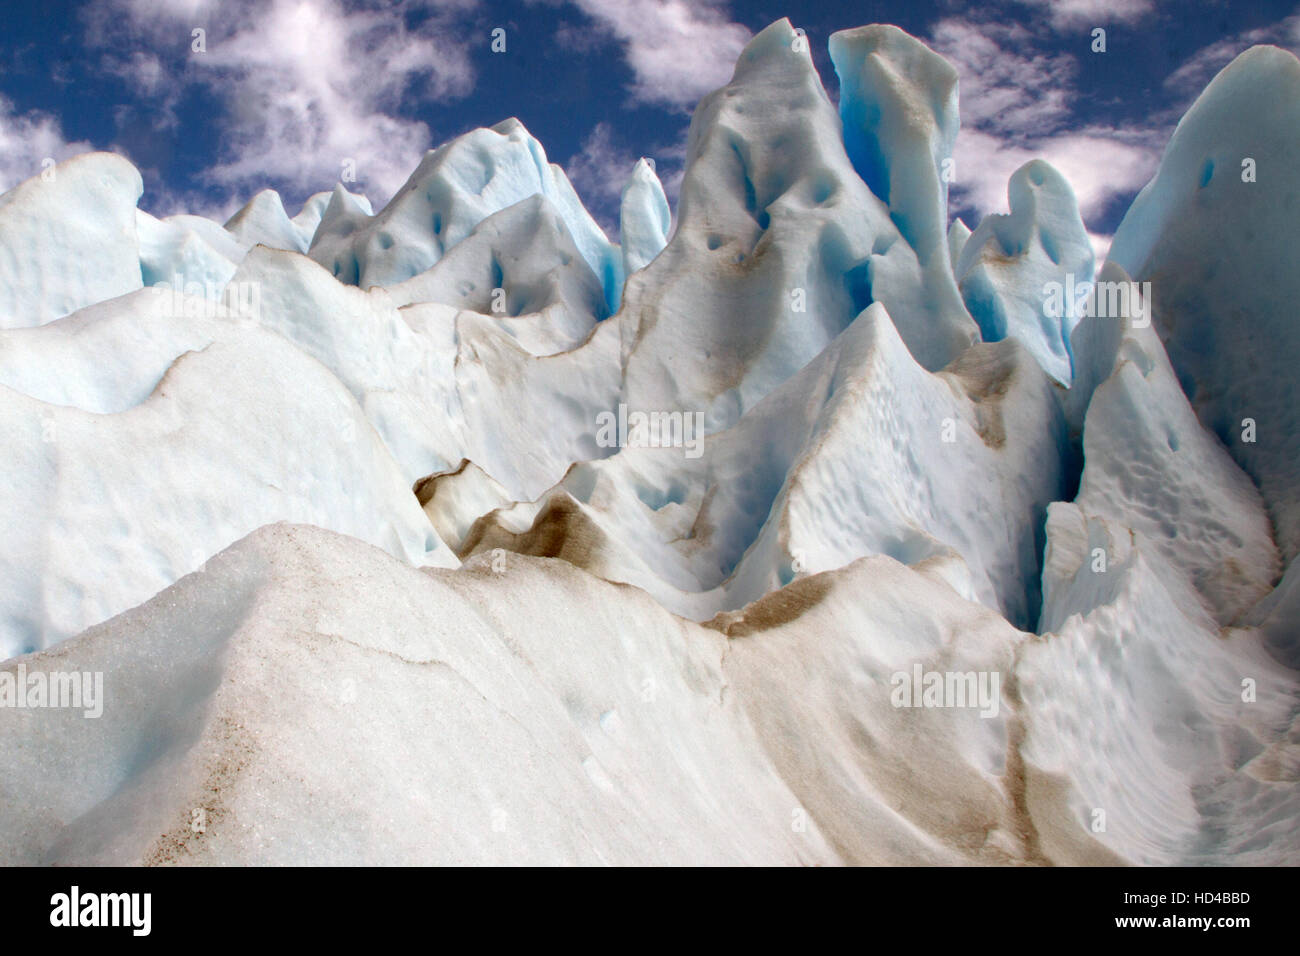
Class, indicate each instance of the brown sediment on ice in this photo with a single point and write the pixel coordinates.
(561, 530)
(986, 373)
(425, 488)
(774, 609)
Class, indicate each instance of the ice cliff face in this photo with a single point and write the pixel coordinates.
(650, 532)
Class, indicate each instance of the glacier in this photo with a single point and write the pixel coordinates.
(326, 500)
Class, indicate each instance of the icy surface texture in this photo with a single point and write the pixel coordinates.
(1023, 275)
(455, 188)
(644, 218)
(776, 250)
(68, 239)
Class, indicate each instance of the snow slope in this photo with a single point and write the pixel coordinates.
(628, 736)
(854, 455)
(295, 663)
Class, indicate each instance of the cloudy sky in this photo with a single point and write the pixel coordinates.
(284, 91)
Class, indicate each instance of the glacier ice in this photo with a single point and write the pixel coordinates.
(1139, 439)
(1021, 274)
(55, 257)
(813, 478)
(786, 246)
(590, 742)
(262, 221)
(519, 266)
(644, 219)
(198, 262)
(455, 188)
(326, 499)
(1206, 232)
(958, 233)
(898, 105)
(108, 508)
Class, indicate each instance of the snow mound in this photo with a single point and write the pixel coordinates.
(263, 221)
(843, 460)
(107, 508)
(1153, 467)
(189, 261)
(520, 267)
(68, 239)
(577, 722)
(1179, 741)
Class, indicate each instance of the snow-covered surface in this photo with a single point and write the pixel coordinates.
(567, 721)
(1137, 700)
(68, 239)
(352, 513)
(862, 452)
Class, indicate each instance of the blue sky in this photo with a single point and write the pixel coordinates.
(288, 89)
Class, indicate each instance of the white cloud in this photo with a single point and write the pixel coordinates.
(1197, 70)
(1017, 106)
(1100, 164)
(1073, 14)
(598, 171)
(305, 85)
(678, 50)
(1000, 87)
(27, 140)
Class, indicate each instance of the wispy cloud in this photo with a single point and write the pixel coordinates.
(27, 140)
(678, 50)
(1003, 85)
(600, 169)
(1018, 104)
(1073, 14)
(1196, 71)
(304, 85)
